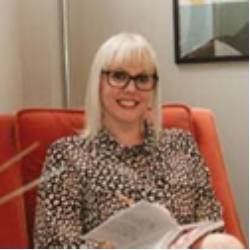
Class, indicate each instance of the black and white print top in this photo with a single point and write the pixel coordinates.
(169, 171)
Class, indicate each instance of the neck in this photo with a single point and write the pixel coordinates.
(126, 134)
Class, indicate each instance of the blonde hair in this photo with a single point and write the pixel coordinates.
(122, 49)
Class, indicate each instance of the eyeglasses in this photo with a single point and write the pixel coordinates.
(120, 79)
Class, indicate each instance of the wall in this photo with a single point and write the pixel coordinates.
(222, 87)
(30, 48)
(39, 32)
(10, 64)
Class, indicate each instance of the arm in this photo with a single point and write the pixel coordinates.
(207, 207)
(206, 204)
(58, 214)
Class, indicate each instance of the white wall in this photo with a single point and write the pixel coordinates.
(10, 66)
(30, 61)
(39, 32)
(222, 87)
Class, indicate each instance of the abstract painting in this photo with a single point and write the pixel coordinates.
(211, 30)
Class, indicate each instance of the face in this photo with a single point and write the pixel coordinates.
(126, 106)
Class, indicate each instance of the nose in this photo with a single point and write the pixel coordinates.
(131, 86)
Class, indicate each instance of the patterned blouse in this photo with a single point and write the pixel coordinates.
(84, 193)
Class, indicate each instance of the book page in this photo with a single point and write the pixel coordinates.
(143, 225)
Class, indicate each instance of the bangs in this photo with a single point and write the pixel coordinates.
(129, 54)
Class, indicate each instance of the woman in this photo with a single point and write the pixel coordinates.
(121, 153)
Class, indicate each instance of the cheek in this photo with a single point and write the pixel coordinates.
(147, 99)
(107, 95)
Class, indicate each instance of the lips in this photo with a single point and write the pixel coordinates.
(127, 103)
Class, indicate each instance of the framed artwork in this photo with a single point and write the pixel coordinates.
(211, 30)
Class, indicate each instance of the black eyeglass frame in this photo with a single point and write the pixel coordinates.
(154, 76)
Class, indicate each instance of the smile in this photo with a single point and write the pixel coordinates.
(129, 104)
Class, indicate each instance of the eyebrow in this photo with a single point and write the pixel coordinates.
(123, 70)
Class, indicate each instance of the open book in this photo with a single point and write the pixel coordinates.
(147, 225)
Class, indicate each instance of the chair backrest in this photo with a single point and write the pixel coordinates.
(13, 231)
(46, 125)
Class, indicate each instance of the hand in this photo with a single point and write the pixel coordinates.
(106, 245)
(221, 241)
(197, 244)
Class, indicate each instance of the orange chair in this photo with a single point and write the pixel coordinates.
(46, 125)
(13, 230)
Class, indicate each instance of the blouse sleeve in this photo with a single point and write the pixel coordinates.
(206, 204)
(58, 211)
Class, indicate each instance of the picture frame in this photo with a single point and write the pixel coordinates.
(211, 30)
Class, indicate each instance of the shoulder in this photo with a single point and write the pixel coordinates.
(177, 139)
(65, 145)
(62, 153)
(175, 134)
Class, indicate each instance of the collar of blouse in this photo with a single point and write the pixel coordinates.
(106, 142)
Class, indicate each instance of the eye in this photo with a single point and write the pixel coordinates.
(119, 76)
(142, 78)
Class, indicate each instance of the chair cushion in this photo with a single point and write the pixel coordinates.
(13, 232)
(46, 125)
(43, 126)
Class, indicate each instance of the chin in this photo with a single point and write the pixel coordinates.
(127, 116)
(129, 119)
